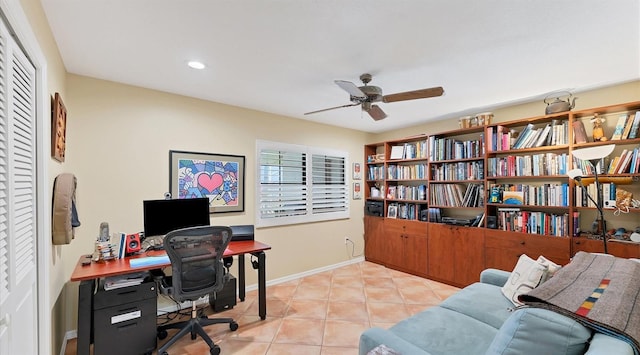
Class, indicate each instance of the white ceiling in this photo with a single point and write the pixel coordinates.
(282, 56)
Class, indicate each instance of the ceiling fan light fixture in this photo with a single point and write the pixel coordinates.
(194, 64)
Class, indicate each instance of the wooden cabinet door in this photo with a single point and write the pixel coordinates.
(415, 248)
(394, 231)
(441, 252)
(406, 245)
(456, 254)
(619, 249)
(469, 255)
(374, 248)
(503, 249)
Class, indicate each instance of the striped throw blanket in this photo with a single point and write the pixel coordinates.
(599, 291)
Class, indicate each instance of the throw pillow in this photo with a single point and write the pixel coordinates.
(552, 267)
(526, 276)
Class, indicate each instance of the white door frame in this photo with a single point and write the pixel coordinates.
(19, 24)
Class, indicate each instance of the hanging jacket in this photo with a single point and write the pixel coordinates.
(64, 212)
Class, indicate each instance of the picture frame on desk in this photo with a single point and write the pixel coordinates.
(219, 177)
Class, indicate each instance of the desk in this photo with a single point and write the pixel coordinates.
(89, 274)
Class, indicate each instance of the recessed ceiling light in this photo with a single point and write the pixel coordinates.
(196, 65)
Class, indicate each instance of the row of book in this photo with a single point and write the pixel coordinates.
(376, 173)
(403, 192)
(608, 195)
(626, 126)
(501, 138)
(407, 172)
(410, 211)
(626, 162)
(457, 195)
(554, 133)
(530, 195)
(516, 220)
(469, 170)
(528, 165)
(451, 149)
(409, 150)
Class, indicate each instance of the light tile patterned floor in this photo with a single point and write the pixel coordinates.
(321, 314)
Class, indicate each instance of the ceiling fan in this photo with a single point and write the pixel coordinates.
(366, 95)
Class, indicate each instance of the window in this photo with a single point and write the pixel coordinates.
(299, 184)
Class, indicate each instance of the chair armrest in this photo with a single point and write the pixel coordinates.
(494, 277)
(602, 344)
(373, 337)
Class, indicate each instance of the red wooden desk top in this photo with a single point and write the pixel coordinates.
(121, 266)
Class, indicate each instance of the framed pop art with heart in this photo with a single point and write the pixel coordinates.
(218, 177)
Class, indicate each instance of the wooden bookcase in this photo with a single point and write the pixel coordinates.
(452, 174)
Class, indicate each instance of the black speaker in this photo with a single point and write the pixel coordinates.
(424, 215)
(492, 222)
(132, 243)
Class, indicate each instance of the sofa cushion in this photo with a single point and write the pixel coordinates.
(526, 276)
(539, 331)
(440, 331)
(482, 302)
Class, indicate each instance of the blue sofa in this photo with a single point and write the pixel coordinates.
(480, 320)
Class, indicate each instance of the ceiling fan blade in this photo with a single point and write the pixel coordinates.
(412, 95)
(351, 88)
(332, 108)
(376, 113)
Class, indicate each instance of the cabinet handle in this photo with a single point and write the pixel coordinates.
(577, 242)
(522, 242)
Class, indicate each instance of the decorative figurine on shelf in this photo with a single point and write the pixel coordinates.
(598, 131)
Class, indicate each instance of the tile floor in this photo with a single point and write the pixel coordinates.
(321, 314)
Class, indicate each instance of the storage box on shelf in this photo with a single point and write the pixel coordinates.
(618, 173)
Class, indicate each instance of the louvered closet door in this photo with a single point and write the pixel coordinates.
(18, 291)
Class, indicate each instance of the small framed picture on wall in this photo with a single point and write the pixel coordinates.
(357, 171)
(357, 191)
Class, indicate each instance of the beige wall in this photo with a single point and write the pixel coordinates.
(118, 144)
(587, 99)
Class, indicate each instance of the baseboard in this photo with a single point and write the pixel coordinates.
(72, 334)
(167, 306)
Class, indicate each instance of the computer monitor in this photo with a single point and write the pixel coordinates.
(163, 216)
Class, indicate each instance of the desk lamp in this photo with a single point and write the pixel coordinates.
(593, 155)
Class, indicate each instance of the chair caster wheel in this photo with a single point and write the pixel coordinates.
(215, 350)
(162, 334)
(193, 336)
(233, 326)
(164, 353)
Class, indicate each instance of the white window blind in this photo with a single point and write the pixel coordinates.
(299, 184)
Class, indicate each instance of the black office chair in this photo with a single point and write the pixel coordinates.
(196, 256)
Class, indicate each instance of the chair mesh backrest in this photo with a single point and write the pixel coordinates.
(196, 260)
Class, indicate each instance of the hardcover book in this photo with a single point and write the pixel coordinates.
(579, 132)
(634, 126)
(619, 130)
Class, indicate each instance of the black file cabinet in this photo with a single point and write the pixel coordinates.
(124, 320)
